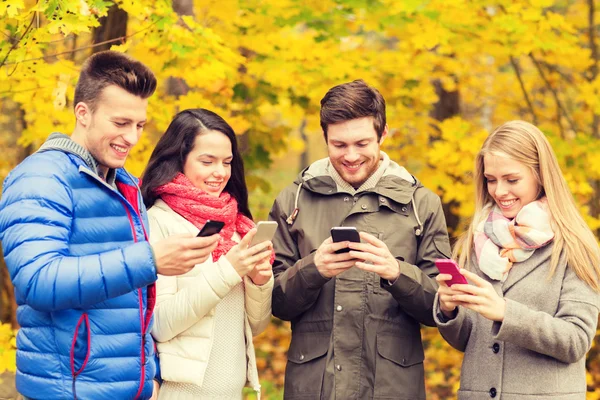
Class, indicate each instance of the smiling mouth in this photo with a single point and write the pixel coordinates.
(507, 203)
(353, 167)
(119, 149)
(213, 185)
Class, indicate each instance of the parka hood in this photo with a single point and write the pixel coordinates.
(396, 183)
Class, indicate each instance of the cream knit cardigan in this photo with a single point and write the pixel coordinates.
(185, 306)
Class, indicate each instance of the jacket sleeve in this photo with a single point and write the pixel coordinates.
(456, 331)
(177, 309)
(36, 222)
(567, 336)
(416, 286)
(258, 304)
(297, 280)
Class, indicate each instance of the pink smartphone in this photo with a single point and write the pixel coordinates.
(447, 266)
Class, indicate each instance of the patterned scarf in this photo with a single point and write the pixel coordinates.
(500, 242)
(197, 206)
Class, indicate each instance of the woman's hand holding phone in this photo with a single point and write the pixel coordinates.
(244, 258)
(261, 273)
(449, 278)
(480, 297)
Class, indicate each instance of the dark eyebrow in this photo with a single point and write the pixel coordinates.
(213, 157)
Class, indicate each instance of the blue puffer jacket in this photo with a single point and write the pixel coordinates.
(78, 256)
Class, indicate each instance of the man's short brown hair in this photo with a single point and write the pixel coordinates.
(350, 101)
(112, 68)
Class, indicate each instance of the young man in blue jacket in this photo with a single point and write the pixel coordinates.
(74, 233)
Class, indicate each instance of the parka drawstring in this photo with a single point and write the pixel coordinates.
(290, 220)
(419, 228)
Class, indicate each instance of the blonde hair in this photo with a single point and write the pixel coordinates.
(525, 143)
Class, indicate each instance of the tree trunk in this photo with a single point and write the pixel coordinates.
(113, 26)
(177, 86)
(447, 106)
(304, 157)
(8, 305)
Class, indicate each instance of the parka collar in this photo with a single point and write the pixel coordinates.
(396, 183)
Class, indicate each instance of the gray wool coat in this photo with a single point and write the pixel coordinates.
(538, 351)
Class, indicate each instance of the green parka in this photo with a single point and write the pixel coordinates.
(356, 336)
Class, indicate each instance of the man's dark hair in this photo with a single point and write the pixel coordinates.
(350, 101)
(112, 68)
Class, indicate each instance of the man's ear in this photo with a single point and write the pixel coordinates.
(383, 134)
(83, 114)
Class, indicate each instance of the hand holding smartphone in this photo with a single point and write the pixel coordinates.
(265, 230)
(210, 228)
(343, 234)
(447, 266)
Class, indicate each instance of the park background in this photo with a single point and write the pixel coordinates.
(450, 70)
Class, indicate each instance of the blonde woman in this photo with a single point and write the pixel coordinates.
(529, 314)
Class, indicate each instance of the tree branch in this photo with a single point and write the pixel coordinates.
(121, 39)
(517, 70)
(16, 43)
(559, 105)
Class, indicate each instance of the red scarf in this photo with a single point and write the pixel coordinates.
(197, 206)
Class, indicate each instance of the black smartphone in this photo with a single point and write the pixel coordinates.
(210, 228)
(344, 233)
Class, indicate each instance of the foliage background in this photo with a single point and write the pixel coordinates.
(449, 70)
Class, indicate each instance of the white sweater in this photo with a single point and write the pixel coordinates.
(184, 313)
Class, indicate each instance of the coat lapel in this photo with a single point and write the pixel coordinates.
(522, 269)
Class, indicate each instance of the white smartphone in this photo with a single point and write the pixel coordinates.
(265, 231)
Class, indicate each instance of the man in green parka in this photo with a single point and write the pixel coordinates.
(356, 315)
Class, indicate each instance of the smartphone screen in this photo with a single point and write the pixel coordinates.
(265, 231)
(344, 233)
(447, 266)
(210, 228)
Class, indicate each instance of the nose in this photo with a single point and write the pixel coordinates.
(132, 135)
(219, 171)
(501, 189)
(351, 155)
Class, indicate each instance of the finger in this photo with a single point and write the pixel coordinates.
(442, 278)
(340, 265)
(329, 240)
(367, 257)
(467, 298)
(335, 246)
(245, 242)
(476, 279)
(368, 248)
(367, 237)
(338, 257)
(263, 266)
(257, 258)
(468, 289)
(267, 244)
(202, 242)
(370, 267)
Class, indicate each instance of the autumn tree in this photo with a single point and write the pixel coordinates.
(450, 72)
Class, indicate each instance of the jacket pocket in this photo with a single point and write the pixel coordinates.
(399, 367)
(80, 348)
(306, 365)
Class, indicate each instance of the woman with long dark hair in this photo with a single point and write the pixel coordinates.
(205, 319)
